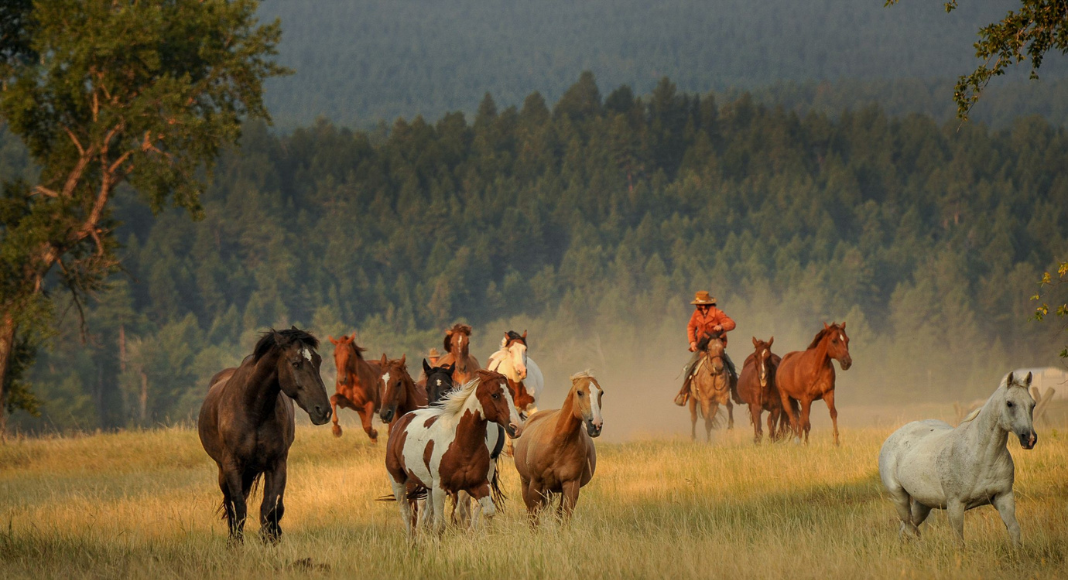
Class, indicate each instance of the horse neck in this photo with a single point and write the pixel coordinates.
(985, 431)
(567, 424)
(820, 354)
(262, 387)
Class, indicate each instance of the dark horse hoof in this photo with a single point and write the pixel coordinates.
(271, 536)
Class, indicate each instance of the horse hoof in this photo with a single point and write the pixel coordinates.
(337, 430)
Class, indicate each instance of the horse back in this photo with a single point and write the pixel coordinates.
(798, 375)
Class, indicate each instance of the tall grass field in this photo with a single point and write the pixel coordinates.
(144, 504)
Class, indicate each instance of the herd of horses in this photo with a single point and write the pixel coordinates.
(783, 387)
(448, 428)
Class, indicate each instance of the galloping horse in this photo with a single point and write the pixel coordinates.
(359, 384)
(756, 388)
(929, 464)
(710, 386)
(809, 376)
(457, 345)
(555, 454)
(400, 395)
(437, 381)
(512, 361)
(246, 423)
(447, 449)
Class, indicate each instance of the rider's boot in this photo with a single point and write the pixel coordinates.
(684, 393)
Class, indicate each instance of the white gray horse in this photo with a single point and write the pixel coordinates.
(929, 464)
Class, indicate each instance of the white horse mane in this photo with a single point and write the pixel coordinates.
(586, 374)
(454, 402)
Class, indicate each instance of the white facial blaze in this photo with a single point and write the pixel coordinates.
(385, 378)
(595, 402)
(841, 337)
(438, 381)
(513, 416)
(304, 352)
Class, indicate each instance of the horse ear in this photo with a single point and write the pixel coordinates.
(771, 340)
(825, 326)
(524, 334)
(755, 341)
(331, 339)
(385, 360)
(403, 358)
(1008, 379)
(1027, 379)
(451, 368)
(353, 335)
(843, 325)
(426, 367)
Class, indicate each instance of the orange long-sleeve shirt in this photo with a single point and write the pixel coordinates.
(701, 325)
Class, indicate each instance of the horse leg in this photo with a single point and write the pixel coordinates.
(709, 410)
(333, 406)
(238, 511)
(730, 415)
(485, 504)
(919, 514)
(955, 510)
(901, 500)
(791, 413)
(366, 414)
(1006, 506)
(693, 418)
(400, 493)
(754, 418)
(806, 408)
(828, 398)
(773, 420)
(227, 504)
(570, 499)
(272, 508)
(437, 500)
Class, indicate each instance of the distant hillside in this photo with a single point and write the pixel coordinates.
(358, 62)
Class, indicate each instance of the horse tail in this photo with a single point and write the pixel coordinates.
(496, 493)
(734, 392)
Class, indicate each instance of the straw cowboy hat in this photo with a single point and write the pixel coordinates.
(702, 297)
(433, 353)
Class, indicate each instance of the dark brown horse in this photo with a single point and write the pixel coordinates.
(400, 394)
(359, 384)
(809, 376)
(437, 381)
(246, 423)
(458, 345)
(757, 388)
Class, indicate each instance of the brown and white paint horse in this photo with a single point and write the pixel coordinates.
(809, 376)
(446, 450)
(555, 454)
(359, 384)
(457, 345)
(400, 393)
(756, 388)
(510, 361)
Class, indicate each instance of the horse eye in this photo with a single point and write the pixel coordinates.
(580, 393)
(495, 396)
(1009, 404)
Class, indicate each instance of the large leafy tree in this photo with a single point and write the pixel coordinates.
(1027, 34)
(105, 93)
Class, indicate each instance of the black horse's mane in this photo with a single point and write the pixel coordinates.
(513, 335)
(282, 338)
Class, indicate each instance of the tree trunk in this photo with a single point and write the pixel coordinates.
(122, 348)
(144, 398)
(7, 346)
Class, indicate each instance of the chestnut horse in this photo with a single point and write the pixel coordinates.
(710, 386)
(809, 376)
(756, 388)
(457, 345)
(447, 450)
(400, 394)
(555, 454)
(359, 384)
(246, 423)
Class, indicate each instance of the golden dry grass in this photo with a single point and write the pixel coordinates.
(142, 504)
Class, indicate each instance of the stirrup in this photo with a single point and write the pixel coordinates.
(681, 398)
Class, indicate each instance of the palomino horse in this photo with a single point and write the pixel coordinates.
(446, 449)
(555, 454)
(809, 376)
(359, 384)
(929, 464)
(458, 345)
(246, 423)
(512, 361)
(756, 388)
(437, 381)
(400, 394)
(710, 386)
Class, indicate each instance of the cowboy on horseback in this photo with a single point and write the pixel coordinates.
(706, 321)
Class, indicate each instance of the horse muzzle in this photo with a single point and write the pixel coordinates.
(846, 362)
(321, 415)
(514, 431)
(1028, 440)
(386, 414)
(594, 428)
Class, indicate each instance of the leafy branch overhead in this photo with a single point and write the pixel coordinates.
(1048, 286)
(1038, 27)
